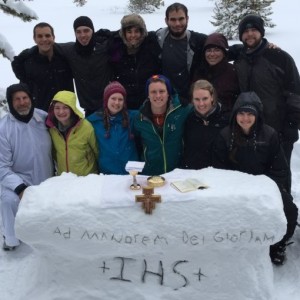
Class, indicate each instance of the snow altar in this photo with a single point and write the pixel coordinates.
(90, 237)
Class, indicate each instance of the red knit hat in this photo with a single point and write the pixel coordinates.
(112, 88)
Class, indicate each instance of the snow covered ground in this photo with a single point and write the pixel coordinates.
(61, 14)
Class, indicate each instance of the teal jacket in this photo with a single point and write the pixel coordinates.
(162, 153)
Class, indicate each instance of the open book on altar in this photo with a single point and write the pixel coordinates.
(188, 185)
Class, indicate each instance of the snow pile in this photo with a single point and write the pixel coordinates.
(92, 241)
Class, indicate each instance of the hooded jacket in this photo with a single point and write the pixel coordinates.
(25, 160)
(223, 75)
(78, 151)
(133, 70)
(258, 153)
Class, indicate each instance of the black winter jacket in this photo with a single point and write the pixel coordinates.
(133, 70)
(91, 72)
(199, 134)
(259, 153)
(270, 73)
(45, 78)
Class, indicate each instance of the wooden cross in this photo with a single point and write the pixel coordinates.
(148, 199)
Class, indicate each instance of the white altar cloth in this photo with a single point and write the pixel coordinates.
(197, 245)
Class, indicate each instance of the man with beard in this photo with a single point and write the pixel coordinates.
(272, 74)
(43, 68)
(88, 58)
(181, 49)
(25, 156)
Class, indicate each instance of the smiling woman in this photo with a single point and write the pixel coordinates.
(249, 145)
(73, 138)
(113, 127)
(202, 126)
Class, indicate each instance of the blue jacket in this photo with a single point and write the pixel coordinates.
(114, 151)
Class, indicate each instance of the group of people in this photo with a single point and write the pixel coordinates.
(170, 98)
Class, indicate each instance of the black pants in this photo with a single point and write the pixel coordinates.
(288, 149)
(291, 214)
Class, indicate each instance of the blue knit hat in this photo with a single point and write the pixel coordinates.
(162, 78)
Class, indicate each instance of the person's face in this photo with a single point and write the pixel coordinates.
(214, 55)
(245, 120)
(44, 39)
(21, 103)
(115, 103)
(177, 23)
(158, 95)
(62, 113)
(202, 101)
(251, 37)
(133, 35)
(83, 35)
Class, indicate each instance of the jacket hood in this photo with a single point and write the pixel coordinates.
(216, 40)
(247, 99)
(133, 20)
(67, 98)
(10, 91)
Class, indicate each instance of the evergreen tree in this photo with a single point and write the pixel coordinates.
(144, 6)
(228, 14)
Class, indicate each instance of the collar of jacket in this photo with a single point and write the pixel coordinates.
(162, 33)
(256, 51)
(146, 112)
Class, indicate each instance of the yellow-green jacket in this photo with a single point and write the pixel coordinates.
(77, 152)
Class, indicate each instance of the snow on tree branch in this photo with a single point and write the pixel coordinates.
(3, 104)
(18, 9)
(6, 49)
(80, 2)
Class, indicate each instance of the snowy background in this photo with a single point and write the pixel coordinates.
(61, 14)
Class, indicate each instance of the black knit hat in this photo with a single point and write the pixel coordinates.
(83, 21)
(251, 21)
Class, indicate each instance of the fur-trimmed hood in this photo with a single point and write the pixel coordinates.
(133, 20)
